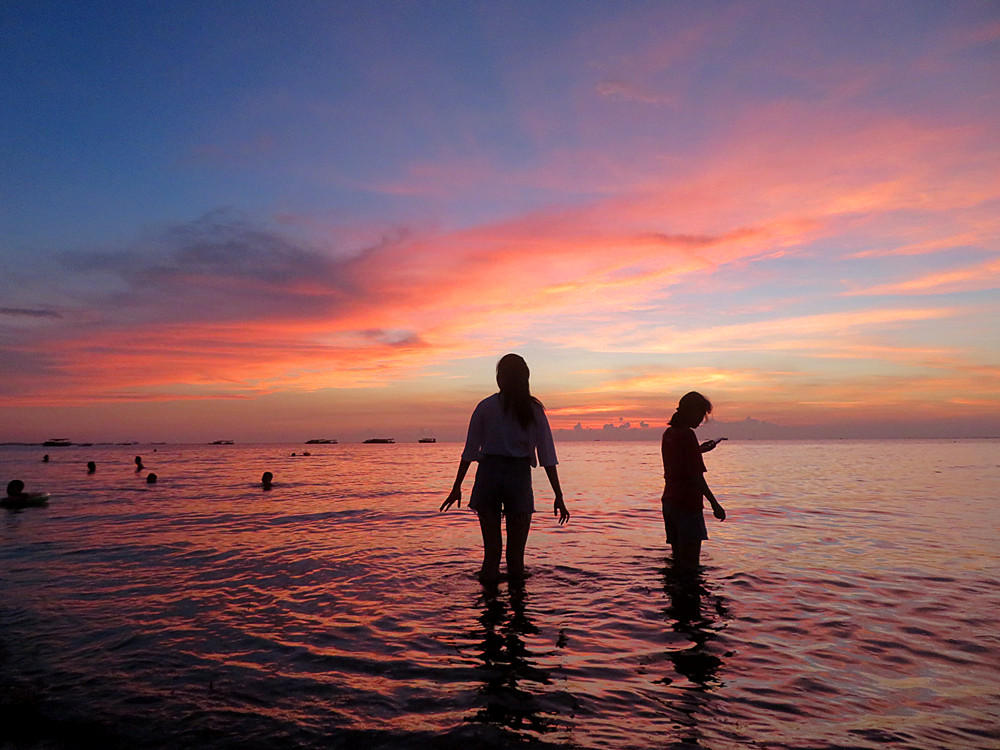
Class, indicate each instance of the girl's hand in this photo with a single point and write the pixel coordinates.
(454, 497)
(719, 512)
(559, 509)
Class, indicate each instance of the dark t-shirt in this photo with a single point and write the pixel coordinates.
(682, 468)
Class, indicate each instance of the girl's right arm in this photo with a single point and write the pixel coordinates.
(559, 507)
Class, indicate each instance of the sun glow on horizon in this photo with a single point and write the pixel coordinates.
(796, 215)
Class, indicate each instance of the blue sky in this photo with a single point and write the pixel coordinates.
(209, 207)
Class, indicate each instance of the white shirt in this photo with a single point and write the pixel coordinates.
(493, 432)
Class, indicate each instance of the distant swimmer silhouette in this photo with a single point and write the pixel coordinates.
(18, 498)
(684, 482)
(506, 433)
(91, 467)
(151, 478)
(266, 479)
(138, 464)
(45, 458)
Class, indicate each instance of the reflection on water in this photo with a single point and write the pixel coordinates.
(508, 670)
(695, 613)
(848, 601)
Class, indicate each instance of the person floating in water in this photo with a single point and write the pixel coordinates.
(18, 498)
(138, 464)
(506, 433)
(91, 467)
(684, 482)
(151, 478)
(266, 479)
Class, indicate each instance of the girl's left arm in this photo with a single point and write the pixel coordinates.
(717, 508)
(456, 490)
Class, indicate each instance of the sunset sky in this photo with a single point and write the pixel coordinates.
(278, 221)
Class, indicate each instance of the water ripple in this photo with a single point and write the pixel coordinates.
(835, 609)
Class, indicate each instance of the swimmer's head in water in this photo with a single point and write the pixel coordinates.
(266, 478)
(691, 410)
(151, 479)
(91, 467)
(15, 487)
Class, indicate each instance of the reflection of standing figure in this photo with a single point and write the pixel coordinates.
(515, 696)
(690, 612)
(684, 482)
(506, 433)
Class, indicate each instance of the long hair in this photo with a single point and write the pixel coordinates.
(515, 396)
(690, 404)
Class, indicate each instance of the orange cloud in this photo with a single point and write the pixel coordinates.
(969, 279)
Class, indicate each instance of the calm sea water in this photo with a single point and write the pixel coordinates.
(850, 600)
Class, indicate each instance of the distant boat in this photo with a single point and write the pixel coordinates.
(380, 440)
(57, 442)
(321, 441)
(427, 440)
(222, 442)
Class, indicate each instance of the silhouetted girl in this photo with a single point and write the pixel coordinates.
(506, 433)
(684, 482)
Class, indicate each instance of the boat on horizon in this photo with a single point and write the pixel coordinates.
(380, 440)
(57, 443)
(221, 442)
(321, 441)
(427, 440)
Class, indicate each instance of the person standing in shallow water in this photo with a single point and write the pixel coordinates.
(508, 435)
(684, 482)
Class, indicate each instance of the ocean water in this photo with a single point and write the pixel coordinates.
(849, 600)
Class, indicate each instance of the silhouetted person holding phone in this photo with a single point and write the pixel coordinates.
(684, 482)
(506, 433)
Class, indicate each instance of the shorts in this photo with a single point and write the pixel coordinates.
(503, 485)
(683, 525)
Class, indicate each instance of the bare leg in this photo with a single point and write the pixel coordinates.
(687, 555)
(489, 524)
(518, 526)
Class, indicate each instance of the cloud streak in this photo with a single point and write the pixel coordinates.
(671, 197)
